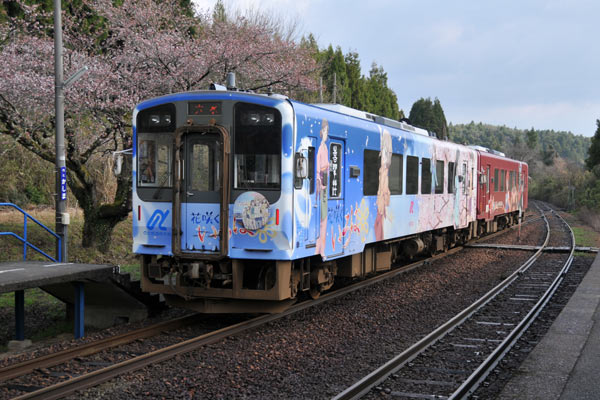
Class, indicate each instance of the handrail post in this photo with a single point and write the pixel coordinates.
(79, 310)
(20, 315)
(25, 237)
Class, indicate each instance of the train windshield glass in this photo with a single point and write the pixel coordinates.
(154, 160)
(257, 147)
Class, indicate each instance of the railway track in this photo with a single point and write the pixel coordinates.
(453, 360)
(87, 380)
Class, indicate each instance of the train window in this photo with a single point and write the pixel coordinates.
(154, 160)
(464, 178)
(502, 179)
(395, 174)
(146, 161)
(451, 173)
(426, 176)
(204, 168)
(439, 177)
(311, 168)
(257, 147)
(496, 178)
(412, 175)
(371, 174)
(513, 182)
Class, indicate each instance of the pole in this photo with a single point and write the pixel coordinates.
(61, 171)
(321, 89)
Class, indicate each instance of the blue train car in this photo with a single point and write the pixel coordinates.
(243, 201)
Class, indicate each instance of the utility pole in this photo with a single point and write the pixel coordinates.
(62, 218)
(320, 89)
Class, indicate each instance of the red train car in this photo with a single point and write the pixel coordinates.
(501, 192)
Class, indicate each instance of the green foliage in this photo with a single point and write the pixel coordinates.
(532, 138)
(219, 13)
(352, 89)
(429, 115)
(25, 179)
(512, 141)
(593, 158)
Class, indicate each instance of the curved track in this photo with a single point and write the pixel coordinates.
(456, 357)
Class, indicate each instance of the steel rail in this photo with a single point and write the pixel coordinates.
(97, 377)
(49, 360)
(94, 378)
(364, 385)
(472, 382)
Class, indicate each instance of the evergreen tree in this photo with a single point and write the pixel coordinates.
(440, 120)
(593, 158)
(429, 115)
(421, 114)
(219, 13)
(532, 138)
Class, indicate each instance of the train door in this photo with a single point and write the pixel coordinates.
(335, 200)
(309, 198)
(484, 191)
(200, 182)
(312, 214)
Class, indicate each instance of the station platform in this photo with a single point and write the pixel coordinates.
(20, 275)
(98, 289)
(565, 364)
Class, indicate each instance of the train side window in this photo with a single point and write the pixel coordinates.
(412, 175)
(426, 176)
(311, 169)
(451, 173)
(496, 177)
(464, 178)
(514, 180)
(371, 174)
(395, 174)
(439, 177)
(502, 179)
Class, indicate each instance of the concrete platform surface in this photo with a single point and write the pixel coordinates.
(565, 365)
(20, 275)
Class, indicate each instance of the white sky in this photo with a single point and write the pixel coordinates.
(519, 63)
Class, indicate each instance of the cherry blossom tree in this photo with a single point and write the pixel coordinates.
(138, 50)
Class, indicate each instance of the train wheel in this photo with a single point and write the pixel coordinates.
(315, 291)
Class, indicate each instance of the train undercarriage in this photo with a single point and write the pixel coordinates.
(269, 286)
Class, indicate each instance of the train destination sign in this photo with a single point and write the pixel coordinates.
(204, 108)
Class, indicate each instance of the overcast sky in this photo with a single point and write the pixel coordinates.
(527, 63)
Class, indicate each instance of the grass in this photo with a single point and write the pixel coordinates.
(11, 249)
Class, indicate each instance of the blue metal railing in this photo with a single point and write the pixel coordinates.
(23, 240)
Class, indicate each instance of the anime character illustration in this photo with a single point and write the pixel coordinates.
(383, 192)
(322, 176)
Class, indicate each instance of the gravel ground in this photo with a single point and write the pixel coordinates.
(319, 352)
(42, 315)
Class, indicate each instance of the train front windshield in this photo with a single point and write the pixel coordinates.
(257, 148)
